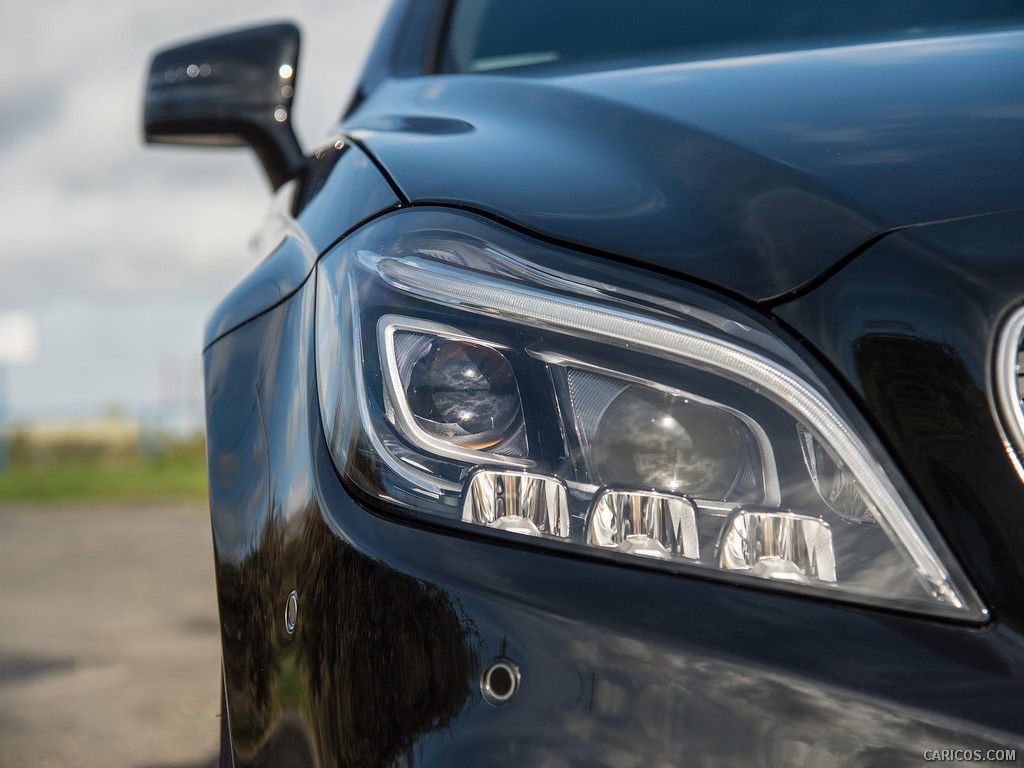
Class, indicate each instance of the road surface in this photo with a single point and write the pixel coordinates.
(109, 652)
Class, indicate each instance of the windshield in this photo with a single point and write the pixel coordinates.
(488, 35)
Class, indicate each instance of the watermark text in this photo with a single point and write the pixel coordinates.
(971, 755)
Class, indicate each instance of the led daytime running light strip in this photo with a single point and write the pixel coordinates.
(483, 294)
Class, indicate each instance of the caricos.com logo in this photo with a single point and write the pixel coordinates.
(971, 755)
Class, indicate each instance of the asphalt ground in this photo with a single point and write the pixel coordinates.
(109, 648)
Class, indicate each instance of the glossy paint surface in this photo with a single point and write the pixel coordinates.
(754, 174)
(911, 325)
(342, 188)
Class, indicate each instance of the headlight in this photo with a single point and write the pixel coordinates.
(477, 377)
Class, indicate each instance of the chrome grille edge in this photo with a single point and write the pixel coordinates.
(1009, 363)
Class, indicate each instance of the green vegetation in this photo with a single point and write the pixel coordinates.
(166, 469)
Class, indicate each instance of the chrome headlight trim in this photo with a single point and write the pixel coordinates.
(1007, 388)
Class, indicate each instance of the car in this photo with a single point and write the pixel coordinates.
(624, 385)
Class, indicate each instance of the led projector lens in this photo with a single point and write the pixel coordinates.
(463, 393)
(653, 439)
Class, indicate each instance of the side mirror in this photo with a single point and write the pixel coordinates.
(230, 90)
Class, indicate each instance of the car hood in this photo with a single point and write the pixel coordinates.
(754, 174)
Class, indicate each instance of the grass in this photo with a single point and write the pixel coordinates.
(177, 473)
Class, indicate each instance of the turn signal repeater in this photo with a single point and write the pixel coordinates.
(476, 377)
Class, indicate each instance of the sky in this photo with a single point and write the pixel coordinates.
(119, 250)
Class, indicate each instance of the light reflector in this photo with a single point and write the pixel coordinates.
(516, 501)
(778, 545)
(644, 523)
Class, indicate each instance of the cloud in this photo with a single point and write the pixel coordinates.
(95, 224)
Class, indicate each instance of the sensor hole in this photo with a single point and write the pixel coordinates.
(291, 611)
(499, 682)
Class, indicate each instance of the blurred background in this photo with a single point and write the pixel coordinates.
(111, 256)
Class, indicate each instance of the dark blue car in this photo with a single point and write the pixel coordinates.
(629, 384)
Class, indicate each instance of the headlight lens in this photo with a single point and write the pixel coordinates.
(652, 439)
(470, 374)
(461, 393)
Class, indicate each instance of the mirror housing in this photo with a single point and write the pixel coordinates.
(230, 90)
